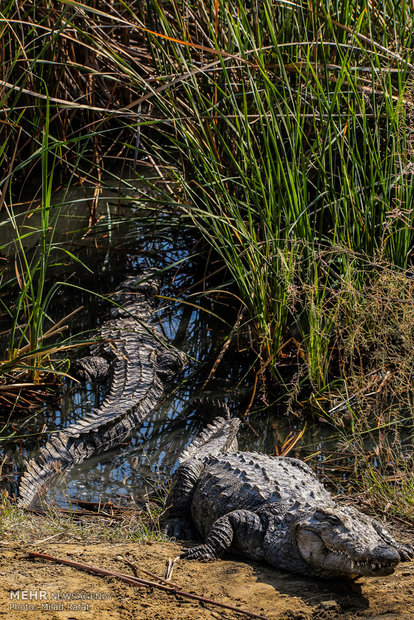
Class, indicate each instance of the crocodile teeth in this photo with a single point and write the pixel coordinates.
(352, 564)
(337, 551)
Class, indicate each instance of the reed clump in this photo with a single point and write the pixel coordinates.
(55, 56)
(286, 129)
(294, 135)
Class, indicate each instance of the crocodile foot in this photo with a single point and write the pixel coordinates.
(202, 553)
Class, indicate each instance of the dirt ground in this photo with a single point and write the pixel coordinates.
(68, 593)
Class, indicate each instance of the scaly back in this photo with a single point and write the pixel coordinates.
(218, 438)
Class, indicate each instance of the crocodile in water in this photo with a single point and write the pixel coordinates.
(272, 509)
(136, 361)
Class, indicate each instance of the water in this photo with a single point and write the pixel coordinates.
(117, 248)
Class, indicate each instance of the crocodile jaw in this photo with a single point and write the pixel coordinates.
(329, 561)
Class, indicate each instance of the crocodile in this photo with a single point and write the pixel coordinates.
(274, 509)
(135, 361)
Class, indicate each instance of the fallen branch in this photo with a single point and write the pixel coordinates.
(138, 582)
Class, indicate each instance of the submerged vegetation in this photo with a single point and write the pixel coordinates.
(282, 131)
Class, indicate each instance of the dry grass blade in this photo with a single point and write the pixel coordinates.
(196, 46)
(291, 442)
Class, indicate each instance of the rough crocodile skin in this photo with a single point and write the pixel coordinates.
(136, 361)
(272, 509)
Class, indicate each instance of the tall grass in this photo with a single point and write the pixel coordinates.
(285, 127)
(29, 353)
(294, 135)
(59, 96)
(54, 55)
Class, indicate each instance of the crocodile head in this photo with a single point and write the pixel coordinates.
(339, 541)
(332, 542)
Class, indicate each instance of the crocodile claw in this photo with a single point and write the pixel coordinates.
(200, 553)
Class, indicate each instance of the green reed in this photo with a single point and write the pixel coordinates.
(294, 134)
(285, 128)
(32, 336)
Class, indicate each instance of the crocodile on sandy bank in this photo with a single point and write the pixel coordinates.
(136, 361)
(272, 509)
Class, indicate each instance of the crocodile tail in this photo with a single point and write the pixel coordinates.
(218, 438)
(35, 481)
(53, 459)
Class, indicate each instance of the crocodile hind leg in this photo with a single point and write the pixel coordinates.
(179, 523)
(240, 529)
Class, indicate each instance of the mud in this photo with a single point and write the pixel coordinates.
(69, 593)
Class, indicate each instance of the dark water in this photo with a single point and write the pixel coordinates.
(116, 248)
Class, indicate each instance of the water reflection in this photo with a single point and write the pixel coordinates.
(122, 246)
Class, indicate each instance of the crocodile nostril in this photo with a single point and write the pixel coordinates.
(386, 555)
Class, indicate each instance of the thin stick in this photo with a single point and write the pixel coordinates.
(153, 575)
(169, 568)
(136, 581)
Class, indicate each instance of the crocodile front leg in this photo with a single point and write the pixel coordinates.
(241, 529)
(179, 523)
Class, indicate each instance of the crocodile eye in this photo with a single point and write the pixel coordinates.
(327, 517)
